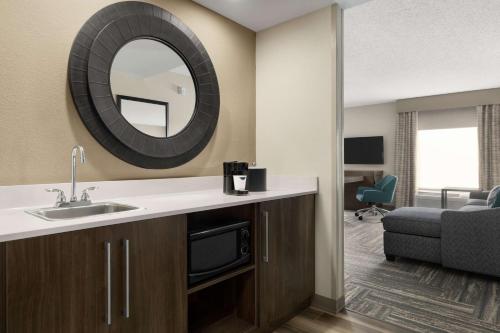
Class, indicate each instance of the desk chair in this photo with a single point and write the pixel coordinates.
(381, 193)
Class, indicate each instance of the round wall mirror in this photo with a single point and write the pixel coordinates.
(152, 87)
(144, 85)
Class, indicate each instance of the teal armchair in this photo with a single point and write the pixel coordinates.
(381, 193)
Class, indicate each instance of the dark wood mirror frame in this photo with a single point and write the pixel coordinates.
(91, 57)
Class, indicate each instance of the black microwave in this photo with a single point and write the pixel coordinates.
(214, 249)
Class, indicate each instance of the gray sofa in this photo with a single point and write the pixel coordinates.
(466, 239)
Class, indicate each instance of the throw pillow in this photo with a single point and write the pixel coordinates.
(494, 197)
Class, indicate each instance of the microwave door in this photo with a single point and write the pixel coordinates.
(215, 251)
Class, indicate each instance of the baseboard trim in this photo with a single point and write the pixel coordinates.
(328, 305)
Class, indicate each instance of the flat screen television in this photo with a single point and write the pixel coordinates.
(364, 150)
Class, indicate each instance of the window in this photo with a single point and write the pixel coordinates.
(447, 157)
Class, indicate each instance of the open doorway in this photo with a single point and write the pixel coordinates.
(422, 100)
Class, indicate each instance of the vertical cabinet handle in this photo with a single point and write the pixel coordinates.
(107, 246)
(126, 278)
(266, 245)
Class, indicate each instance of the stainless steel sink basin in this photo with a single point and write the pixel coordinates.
(66, 213)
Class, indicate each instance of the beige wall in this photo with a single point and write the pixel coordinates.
(373, 120)
(39, 123)
(450, 101)
(296, 121)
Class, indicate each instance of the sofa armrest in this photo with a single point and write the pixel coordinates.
(482, 195)
(471, 240)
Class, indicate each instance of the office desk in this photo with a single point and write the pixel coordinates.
(353, 179)
(351, 184)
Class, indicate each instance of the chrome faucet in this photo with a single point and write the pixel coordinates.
(73, 201)
(75, 150)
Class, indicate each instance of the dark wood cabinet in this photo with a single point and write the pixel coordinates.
(286, 269)
(59, 283)
(152, 296)
(50, 284)
(132, 277)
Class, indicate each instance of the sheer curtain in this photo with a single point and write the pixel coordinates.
(406, 158)
(488, 126)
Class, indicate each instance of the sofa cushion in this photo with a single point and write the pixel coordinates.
(469, 240)
(477, 202)
(479, 195)
(473, 208)
(414, 221)
(494, 197)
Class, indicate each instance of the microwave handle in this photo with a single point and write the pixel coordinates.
(265, 257)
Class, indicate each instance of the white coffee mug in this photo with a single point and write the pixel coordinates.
(240, 182)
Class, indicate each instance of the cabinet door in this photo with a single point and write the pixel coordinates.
(286, 258)
(153, 297)
(50, 284)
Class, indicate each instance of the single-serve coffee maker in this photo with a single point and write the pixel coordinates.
(235, 178)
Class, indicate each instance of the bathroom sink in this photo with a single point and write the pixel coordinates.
(66, 213)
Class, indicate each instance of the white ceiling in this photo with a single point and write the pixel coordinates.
(261, 14)
(397, 49)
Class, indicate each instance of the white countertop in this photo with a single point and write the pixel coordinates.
(156, 198)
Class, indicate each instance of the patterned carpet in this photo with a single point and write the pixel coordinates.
(418, 296)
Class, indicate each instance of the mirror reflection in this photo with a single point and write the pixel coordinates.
(153, 88)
